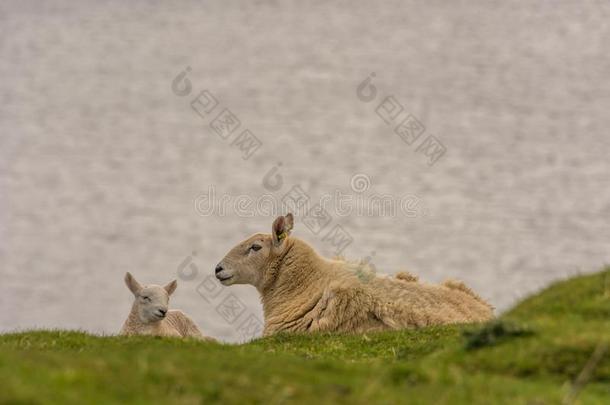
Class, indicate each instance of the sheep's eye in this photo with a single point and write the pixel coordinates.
(145, 298)
(256, 247)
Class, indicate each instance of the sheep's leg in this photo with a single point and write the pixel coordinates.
(344, 309)
(320, 317)
(184, 325)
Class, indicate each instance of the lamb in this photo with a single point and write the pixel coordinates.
(304, 292)
(150, 316)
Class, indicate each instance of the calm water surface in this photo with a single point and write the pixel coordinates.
(101, 163)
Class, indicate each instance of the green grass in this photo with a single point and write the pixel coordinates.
(531, 355)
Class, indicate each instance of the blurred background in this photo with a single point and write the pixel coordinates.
(103, 163)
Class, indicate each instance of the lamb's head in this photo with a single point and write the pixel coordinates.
(246, 263)
(152, 300)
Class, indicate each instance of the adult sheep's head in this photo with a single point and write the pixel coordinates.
(152, 300)
(246, 263)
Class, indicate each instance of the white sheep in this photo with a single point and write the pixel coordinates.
(150, 315)
(304, 292)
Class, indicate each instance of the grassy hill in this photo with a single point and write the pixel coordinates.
(552, 347)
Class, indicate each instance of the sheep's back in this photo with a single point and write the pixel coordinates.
(432, 303)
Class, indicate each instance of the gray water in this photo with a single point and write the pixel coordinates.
(102, 164)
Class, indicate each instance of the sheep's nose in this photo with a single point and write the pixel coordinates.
(163, 311)
(219, 268)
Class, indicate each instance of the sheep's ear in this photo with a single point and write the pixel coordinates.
(171, 287)
(132, 284)
(281, 228)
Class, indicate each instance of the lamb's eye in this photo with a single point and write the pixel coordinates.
(256, 247)
(146, 298)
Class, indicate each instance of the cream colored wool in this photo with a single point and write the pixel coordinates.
(150, 315)
(304, 292)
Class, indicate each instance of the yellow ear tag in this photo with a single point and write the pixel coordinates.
(281, 236)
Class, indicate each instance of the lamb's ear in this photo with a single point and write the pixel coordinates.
(281, 228)
(132, 284)
(171, 287)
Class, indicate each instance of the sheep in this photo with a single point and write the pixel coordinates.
(150, 316)
(303, 292)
